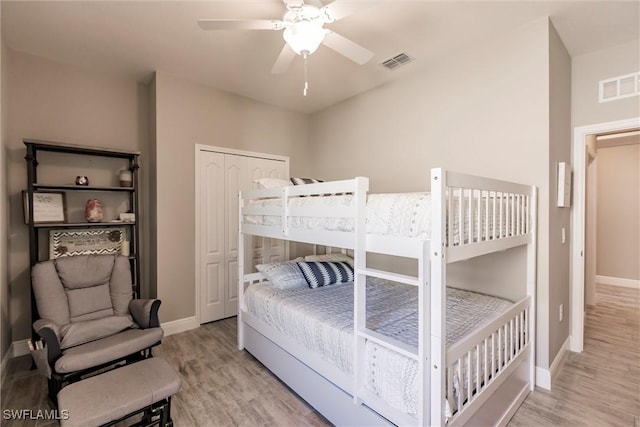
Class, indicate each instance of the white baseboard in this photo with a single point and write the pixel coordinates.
(180, 325)
(618, 281)
(544, 377)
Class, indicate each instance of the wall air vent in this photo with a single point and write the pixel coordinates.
(619, 87)
(397, 61)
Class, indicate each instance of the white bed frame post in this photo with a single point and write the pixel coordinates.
(424, 331)
(360, 286)
(532, 278)
(438, 295)
(241, 256)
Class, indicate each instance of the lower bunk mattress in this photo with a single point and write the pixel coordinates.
(321, 320)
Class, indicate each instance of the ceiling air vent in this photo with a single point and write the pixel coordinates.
(397, 61)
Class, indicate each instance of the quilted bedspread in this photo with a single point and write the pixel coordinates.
(395, 214)
(322, 321)
(390, 214)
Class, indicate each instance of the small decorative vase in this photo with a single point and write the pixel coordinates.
(82, 180)
(93, 210)
(125, 178)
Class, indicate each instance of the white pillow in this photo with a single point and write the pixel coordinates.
(330, 258)
(264, 183)
(283, 275)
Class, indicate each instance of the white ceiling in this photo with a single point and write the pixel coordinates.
(134, 38)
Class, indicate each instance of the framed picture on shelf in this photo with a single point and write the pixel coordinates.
(92, 241)
(48, 206)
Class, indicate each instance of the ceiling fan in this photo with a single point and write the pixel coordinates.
(303, 31)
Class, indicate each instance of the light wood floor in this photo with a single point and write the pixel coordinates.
(225, 387)
(601, 386)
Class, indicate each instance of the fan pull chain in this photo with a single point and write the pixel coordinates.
(305, 55)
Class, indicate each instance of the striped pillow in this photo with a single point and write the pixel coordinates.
(325, 273)
(303, 181)
(336, 257)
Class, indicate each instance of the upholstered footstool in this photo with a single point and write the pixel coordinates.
(142, 387)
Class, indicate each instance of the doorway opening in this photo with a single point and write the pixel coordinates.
(587, 140)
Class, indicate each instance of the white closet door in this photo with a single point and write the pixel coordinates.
(264, 250)
(237, 179)
(221, 176)
(212, 242)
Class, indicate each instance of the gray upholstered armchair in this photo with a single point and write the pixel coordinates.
(88, 317)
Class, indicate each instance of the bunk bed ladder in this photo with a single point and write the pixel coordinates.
(364, 334)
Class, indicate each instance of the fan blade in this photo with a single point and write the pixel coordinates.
(340, 9)
(316, 3)
(284, 60)
(240, 24)
(346, 47)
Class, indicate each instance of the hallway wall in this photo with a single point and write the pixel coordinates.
(618, 212)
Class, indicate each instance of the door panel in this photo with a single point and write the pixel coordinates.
(221, 177)
(213, 296)
(211, 175)
(237, 179)
(231, 298)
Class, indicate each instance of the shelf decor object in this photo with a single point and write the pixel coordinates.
(82, 180)
(125, 178)
(49, 206)
(93, 210)
(98, 241)
(128, 217)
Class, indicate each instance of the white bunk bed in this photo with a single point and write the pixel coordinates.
(482, 377)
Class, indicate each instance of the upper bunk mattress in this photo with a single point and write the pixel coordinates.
(321, 320)
(393, 214)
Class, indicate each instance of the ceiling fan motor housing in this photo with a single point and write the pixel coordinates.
(304, 28)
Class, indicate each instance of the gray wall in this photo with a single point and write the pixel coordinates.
(469, 121)
(5, 330)
(559, 218)
(52, 101)
(188, 114)
(586, 72)
(588, 69)
(618, 217)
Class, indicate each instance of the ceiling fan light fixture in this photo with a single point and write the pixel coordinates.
(304, 36)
